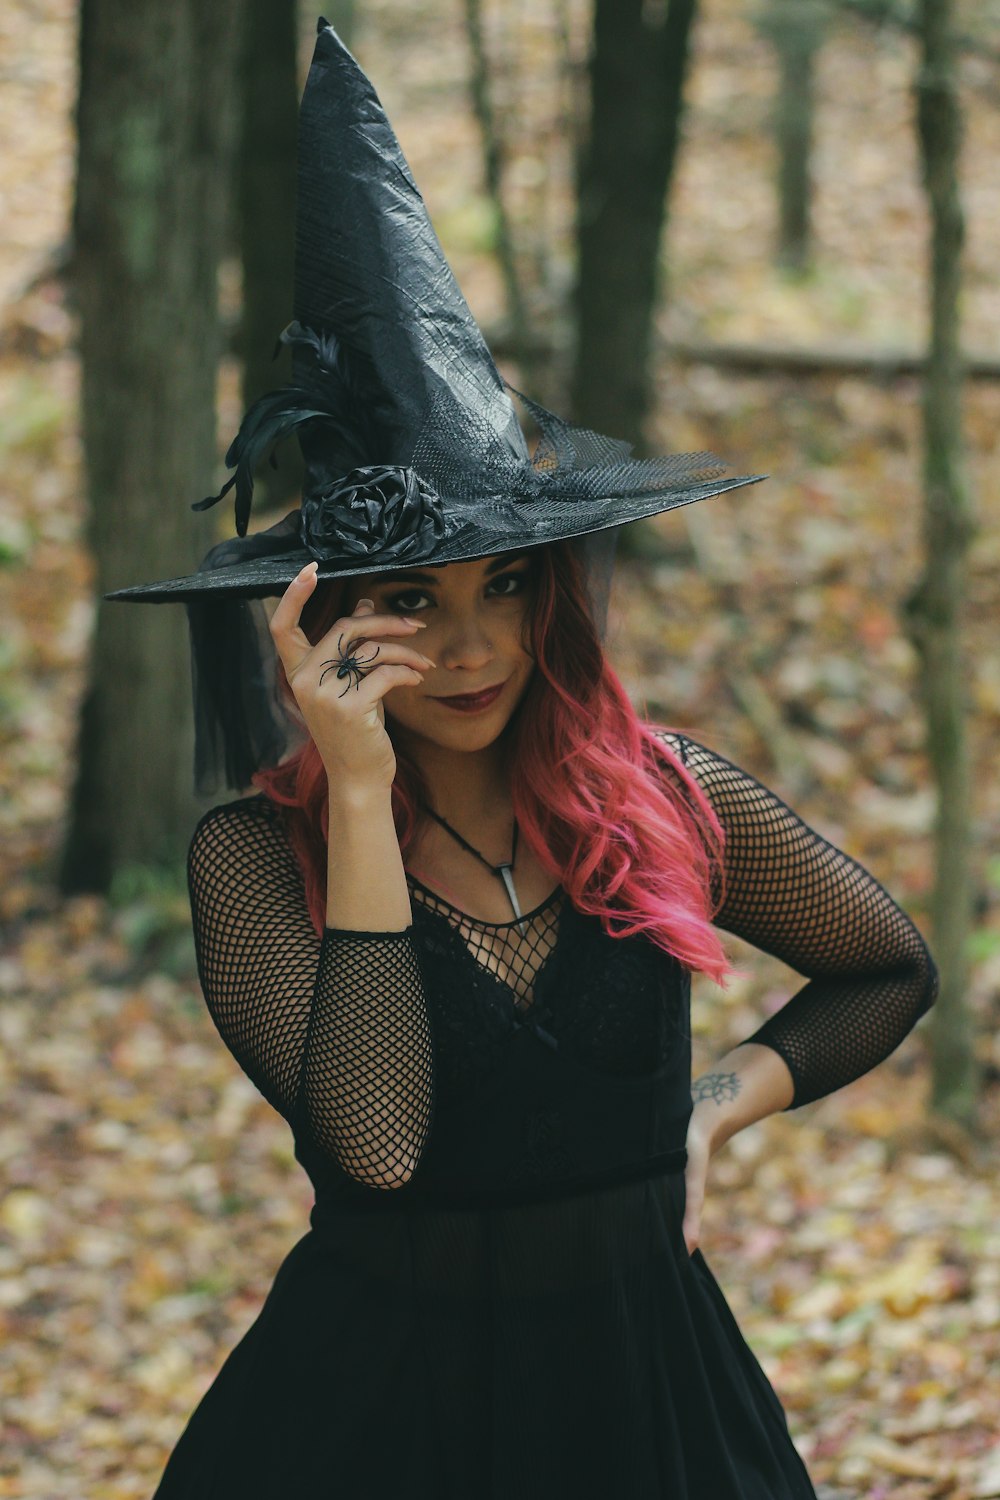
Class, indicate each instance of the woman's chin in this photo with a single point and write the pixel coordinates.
(430, 720)
(464, 735)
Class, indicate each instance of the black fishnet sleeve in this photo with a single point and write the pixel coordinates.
(334, 1032)
(792, 894)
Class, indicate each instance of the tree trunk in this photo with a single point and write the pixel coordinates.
(934, 610)
(268, 126)
(794, 28)
(637, 68)
(152, 175)
(493, 166)
(343, 16)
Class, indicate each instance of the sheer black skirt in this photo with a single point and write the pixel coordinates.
(552, 1350)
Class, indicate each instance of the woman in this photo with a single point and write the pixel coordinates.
(451, 940)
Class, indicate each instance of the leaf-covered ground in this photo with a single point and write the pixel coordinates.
(150, 1195)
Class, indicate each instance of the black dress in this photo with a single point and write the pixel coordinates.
(494, 1300)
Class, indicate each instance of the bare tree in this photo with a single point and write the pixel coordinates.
(152, 179)
(493, 165)
(795, 30)
(343, 16)
(934, 610)
(265, 204)
(637, 71)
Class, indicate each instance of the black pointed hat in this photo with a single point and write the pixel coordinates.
(413, 449)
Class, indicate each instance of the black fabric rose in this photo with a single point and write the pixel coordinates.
(375, 512)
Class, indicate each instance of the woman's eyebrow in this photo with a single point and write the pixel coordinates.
(408, 576)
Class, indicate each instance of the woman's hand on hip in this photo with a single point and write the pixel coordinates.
(339, 683)
(700, 1149)
(746, 1085)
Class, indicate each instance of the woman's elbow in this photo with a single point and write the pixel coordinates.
(393, 1168)
(928, 977)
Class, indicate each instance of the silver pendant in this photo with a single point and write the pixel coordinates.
(504, 871)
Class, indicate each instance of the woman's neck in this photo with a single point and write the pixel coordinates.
(468, 789)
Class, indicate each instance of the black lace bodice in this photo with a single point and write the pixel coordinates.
(357, 1038)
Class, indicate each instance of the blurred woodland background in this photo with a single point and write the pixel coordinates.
(723, 224)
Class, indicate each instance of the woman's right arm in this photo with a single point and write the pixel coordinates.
(367, 1075)
(334, 1031)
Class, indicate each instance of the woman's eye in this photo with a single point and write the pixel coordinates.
(408, 602)
(515, 581)
(405, 602)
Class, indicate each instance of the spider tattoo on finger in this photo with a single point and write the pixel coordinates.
(350, 666)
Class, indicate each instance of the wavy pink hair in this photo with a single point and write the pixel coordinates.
(640, 850)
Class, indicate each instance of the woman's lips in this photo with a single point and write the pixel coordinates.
(473, 703)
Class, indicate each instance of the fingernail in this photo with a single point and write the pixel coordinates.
(411, 621)
(428, 660)
(369, 602)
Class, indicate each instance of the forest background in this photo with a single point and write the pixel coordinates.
(149, 1193)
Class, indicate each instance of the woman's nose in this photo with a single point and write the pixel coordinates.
(467, 644)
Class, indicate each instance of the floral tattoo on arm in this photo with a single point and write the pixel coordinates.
(720, 1087)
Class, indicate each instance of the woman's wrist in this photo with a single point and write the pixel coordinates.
(713, 1116)
(366, 883)
(745, 1086)
(351, 798)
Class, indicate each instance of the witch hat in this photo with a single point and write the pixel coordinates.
(413, 449)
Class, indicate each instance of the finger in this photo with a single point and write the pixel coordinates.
(364, 662)
(692, 1224)
(346, 637)
(294, 645)
(694, 1201)
(366, 607)
(291, 641)
(381, 680)
(351, 661)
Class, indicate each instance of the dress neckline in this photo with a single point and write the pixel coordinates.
(527, 916)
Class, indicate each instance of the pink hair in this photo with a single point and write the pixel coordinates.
(640, 850)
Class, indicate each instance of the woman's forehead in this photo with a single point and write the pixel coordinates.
(485, 566)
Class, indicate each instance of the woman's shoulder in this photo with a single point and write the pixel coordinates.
(690, 753)
(687, 763)
(255, 810)
(253, 823)
(672, 738)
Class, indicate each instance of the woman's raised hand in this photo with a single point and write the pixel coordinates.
(341, 705)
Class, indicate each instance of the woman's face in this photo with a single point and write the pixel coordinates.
(478, 635)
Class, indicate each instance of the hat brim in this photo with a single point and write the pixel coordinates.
(261, 577)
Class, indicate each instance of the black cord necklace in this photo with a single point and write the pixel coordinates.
(504, 871)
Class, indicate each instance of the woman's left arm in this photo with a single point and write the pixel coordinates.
(791, 893)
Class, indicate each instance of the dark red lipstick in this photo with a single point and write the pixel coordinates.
(472, 703)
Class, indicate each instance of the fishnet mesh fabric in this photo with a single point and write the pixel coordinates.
(618, 1009)
(475, 464)
(791, 893)
(564, 445)
(514, 959)
(334, 1033)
